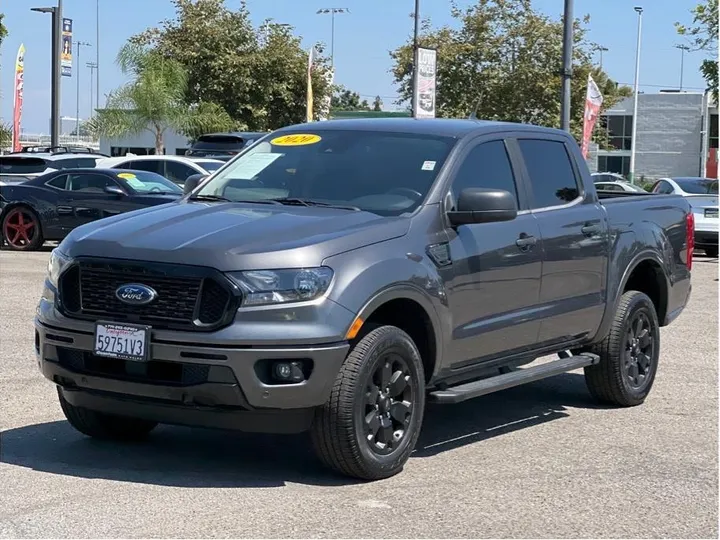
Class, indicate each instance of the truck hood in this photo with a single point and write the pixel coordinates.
(232, 236)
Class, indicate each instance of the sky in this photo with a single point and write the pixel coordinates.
(363, 38)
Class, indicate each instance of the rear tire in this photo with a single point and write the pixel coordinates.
(370, 424)
(628, 355)
(711, 252)
(29, 238)
(105, 426)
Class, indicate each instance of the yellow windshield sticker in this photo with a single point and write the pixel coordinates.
(127, 176)
(296, 139)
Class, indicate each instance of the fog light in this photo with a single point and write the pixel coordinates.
(289, 372)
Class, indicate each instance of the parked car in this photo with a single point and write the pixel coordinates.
(702, 194)
(337, 275)
(607, 177)
(222, 145)
(50, 206)
(174, 168)
(22, 166)
(618, 186)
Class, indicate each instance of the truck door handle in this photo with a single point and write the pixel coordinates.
(590, 230)
(525, 241)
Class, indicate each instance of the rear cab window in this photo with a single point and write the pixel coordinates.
(551, 172)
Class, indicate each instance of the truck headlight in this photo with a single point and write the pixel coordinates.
(263, 287)
(57, 263)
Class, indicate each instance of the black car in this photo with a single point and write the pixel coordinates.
(48, 207)
(222, 146)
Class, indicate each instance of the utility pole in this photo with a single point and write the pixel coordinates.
(567, 65)
(332, 12)
(601, 50)
(97, 53)
(416, 35)
(633, 139)
(93, 67)
(683, 50)
(56, 14)
(77, 95)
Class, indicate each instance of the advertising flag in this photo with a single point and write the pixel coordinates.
(66, 50)
(593, 102)
(18, 97)
(424, 90)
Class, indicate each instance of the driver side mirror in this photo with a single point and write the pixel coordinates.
(114, 190)
(193, 181)
(481, 205)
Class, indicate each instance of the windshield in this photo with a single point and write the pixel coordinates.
(210, 166)
(699, 186)
(381, 172)
(148, 182)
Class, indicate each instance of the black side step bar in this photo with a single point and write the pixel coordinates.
(456, 394)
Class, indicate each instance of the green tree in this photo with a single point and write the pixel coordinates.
(259, 76)
(5, 130)
(347, 100)
(377, 104)
(703, 36)
(154, 100)
(502, 59)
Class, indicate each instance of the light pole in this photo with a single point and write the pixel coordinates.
(683, 50)
(416, 35)
(77, 96)
(636, 91)
(601, 50)
(332, 12)
(97, 52)
(267, 25)
(93, 67)
(567, 65)
(56, 13)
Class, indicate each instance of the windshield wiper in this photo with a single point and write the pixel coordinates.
(225, 199)
(310, 202)
(209, 198)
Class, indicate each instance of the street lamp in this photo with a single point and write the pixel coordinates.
(267, 25)
(683, 50)
(416, 34)
(633, 138)
(56, 13)
(93, 67)
(332, 12)
(77, 96)
(601, 50)
(567, 54)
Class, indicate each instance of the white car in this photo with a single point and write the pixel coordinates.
(619, 185)
(607, 177)
(21, 166)
(175, 168)
(702, 194)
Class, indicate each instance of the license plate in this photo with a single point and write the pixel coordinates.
(123, 341)
(711, 212)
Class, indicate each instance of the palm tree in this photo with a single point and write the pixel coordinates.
(154, 100)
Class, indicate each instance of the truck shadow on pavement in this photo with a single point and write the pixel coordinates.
(188, 457)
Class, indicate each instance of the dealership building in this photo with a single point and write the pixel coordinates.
(670, 138)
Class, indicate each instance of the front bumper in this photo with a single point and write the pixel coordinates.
(211, 385)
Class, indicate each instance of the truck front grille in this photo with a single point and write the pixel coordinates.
(188, 298)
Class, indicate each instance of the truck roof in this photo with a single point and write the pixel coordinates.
(448, 127)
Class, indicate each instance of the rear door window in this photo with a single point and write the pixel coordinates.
(178, 172)
(551, 173)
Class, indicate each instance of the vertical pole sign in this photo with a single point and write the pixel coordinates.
(593, 101)
(18, 97)
(426, 62)
(66, 50)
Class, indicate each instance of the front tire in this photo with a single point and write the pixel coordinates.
(105, 426)
(628, 355)
(370, 424)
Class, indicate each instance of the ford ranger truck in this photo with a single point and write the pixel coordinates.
(334, 277)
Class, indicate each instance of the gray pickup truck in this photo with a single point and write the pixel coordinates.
(336, 276)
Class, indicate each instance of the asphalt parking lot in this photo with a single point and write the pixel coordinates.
(535, 461)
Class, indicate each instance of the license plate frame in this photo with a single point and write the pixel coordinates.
(711, 213)
(108, 328)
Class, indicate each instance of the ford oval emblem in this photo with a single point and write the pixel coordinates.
(135, 294)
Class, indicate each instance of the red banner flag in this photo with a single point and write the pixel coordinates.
(593, 102)
(18, 99)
